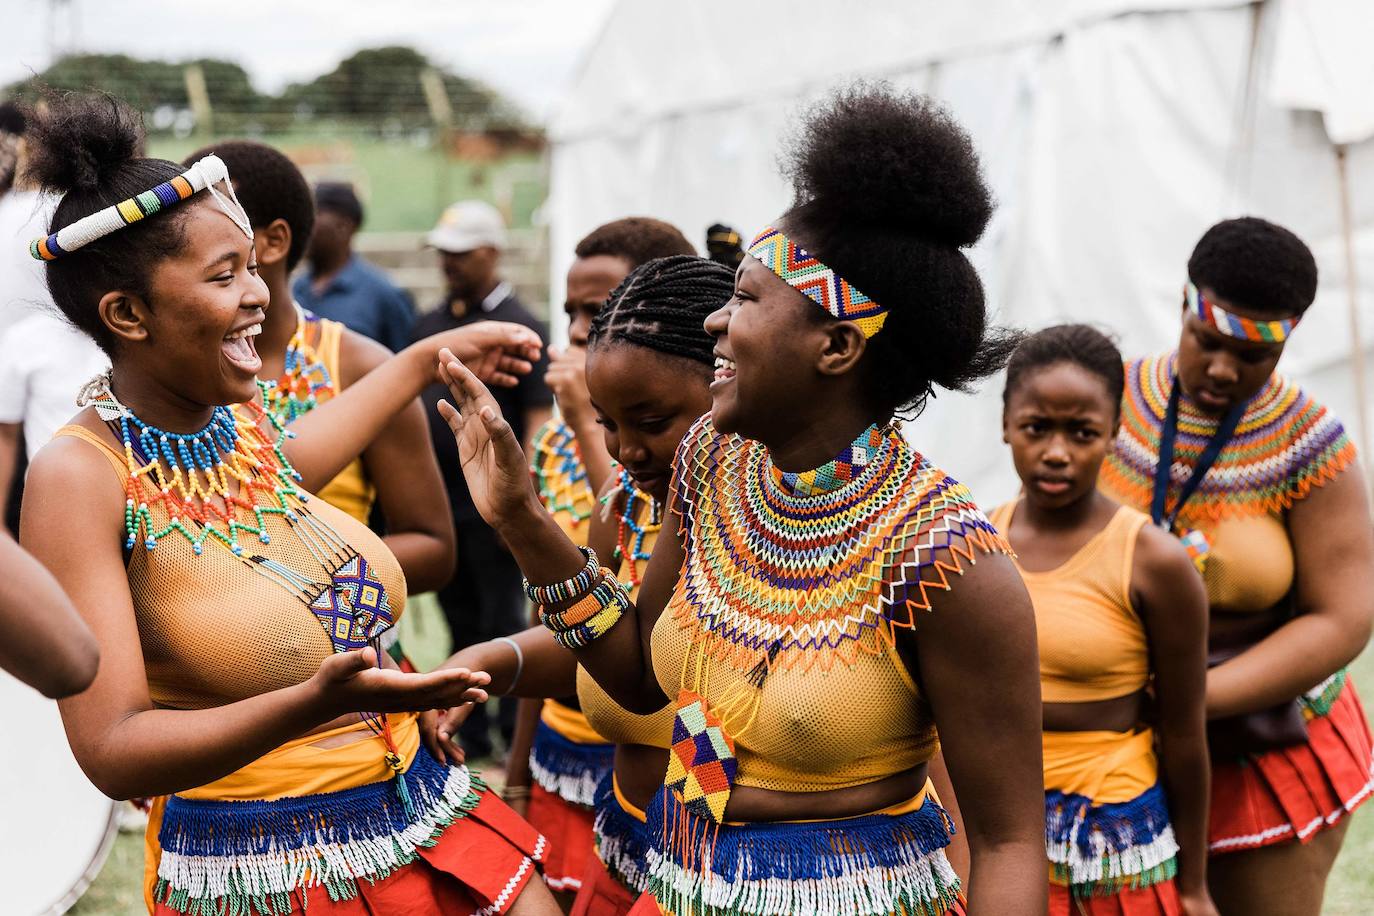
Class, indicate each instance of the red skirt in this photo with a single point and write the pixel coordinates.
(646, 905)
(1156, 900)
(600, 894)
(568, 828)
(479, 864)
(1295, 792)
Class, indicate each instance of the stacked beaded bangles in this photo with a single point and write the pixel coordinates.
(594, 601)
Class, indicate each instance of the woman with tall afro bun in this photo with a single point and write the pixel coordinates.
(238, 617)
(821, 600)
(1261, 484)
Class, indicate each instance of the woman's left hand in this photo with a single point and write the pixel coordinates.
(1198, 903)
(497, 352)
(440, 733)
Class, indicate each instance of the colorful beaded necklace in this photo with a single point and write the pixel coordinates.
(305, 381)
(559, 475)
(230, 478)
(1285, 444)
(800, 571)
(634, 544)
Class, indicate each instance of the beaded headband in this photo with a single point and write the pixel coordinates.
(1234, 325)
(803, 272)
(206, 173)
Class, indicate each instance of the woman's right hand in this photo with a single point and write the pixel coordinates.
(349, 682)
(497, 474)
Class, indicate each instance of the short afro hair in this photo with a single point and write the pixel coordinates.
(270, 187)
(635, 239)
(1076, 344)
(888, 193)
(1257, 265)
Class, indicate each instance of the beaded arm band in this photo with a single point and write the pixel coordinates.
(569, 589)
(592, 617)
(206, 173)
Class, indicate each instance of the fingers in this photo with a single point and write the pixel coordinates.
(451, 416)
(503, 441)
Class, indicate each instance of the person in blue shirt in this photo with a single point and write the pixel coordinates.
(338, 284)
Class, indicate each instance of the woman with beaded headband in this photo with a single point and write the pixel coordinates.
(823, 597)
(238, 617)
(1260, 483)
(556, 758)
(649, 362)
(1119, 612)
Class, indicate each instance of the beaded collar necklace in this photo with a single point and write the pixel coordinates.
(305, 382)
(632, 532)
(836, 472)
(559, 475)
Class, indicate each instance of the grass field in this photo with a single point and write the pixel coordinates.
(117, 891)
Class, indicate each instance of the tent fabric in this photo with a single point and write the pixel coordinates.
(1112, 133)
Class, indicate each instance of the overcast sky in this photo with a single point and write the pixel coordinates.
(528, 49)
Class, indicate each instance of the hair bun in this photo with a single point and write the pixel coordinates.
(76, 142)
(870, 155)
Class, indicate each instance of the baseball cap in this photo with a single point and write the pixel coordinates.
(466, 225)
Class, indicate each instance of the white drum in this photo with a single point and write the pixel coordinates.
(57, 827)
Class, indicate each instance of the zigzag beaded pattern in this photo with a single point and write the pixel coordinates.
(305, 382)
(1236, 326)
(811, 579)
(1286, 443)
(804, 272)
(559, 475)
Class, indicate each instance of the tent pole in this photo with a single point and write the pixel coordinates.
(1353, 306)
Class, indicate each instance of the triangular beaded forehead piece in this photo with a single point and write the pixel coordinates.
(805, 273)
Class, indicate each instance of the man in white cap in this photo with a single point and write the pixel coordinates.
(485, 598)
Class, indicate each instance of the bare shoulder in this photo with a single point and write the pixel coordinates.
(1158, 553)
(71, 478)
(359, 355)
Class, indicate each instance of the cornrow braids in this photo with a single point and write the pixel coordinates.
(662, 305)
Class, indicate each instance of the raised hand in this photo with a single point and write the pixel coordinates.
(493, 463)
(352, 682)
(567, 379)
(497, 352)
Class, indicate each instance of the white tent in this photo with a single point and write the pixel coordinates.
(1113, 132)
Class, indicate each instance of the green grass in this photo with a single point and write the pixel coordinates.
(118, 892)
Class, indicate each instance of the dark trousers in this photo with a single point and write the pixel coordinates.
(485, 600)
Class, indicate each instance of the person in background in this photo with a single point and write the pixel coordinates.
(340, 285)
(724, 245)
(485, 599)
(43, 359)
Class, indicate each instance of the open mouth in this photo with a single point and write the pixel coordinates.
(239, 349)
(725, 370)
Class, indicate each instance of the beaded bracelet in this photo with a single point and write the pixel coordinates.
(568, 589)
(584, 609)
(598, 625)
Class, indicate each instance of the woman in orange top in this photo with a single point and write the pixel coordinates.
(238, 616)
(1119, 611)
(1260, 483)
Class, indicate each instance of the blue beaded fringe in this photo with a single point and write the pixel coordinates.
(569, 769)
(622, 840)
(1100, 849)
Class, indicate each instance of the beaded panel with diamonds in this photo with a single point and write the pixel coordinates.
(802, 571)
(1286, 443)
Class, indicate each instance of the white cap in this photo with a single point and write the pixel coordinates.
(466, 225)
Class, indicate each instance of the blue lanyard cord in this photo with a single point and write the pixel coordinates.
(1204, 462)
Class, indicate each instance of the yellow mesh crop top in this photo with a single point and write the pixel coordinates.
(1285, 444)
(612, 721)
(783, 624)
(1093, 645)
(212, 628)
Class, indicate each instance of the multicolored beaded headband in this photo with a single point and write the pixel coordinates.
(803, 272)
(1234, 325)
(206, 173)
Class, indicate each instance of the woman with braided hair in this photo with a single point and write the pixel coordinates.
(825, 597)
(649, 362)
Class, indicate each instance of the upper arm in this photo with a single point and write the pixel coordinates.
(1333, 548)
(73, 524)
(1171, 600)
(979, 669)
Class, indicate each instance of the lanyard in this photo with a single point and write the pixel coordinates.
(1204, 462)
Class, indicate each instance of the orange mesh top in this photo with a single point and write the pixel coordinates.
(213, 629)
(1093, 645)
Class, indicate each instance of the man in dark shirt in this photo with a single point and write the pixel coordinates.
(485, 598)
(340, 285)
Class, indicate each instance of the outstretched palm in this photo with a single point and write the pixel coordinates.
(493, 464)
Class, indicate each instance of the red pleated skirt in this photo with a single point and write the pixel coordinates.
(600, 894)
(1293, 793)
(646, 905)
(568, 828)
(479, 864)
(1156, 900)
